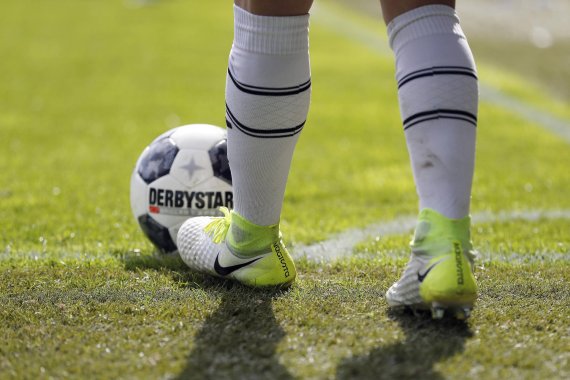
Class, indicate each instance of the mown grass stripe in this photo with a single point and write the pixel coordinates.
(342, 244)
(330, 18)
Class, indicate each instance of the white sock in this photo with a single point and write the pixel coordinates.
(438, 93)
(267, 100)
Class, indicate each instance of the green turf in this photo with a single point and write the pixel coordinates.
(86, 85)
(146, 318)
(515, 240)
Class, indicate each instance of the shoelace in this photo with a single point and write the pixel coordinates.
(219, 227)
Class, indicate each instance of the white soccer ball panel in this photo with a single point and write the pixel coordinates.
(191, 167)
(168, 133)
(213, 194)
(139, 195)
(198, 136)
(213, 184)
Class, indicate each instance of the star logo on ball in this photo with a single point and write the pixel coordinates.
(192, 167)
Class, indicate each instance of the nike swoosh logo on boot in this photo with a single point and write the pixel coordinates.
(225, 271)
(421, 277)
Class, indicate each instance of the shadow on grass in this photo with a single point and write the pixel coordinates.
(239, 339)
(426, 343)
(157, 261)
(170, 265)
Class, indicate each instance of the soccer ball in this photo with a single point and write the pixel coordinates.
(183, 173)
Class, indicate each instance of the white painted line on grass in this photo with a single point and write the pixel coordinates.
(333, 20)
(338, 23)
(554, 124)
(342, 244)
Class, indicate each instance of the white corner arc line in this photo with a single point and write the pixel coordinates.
(554, 124)
(342, 244)
(334, 21)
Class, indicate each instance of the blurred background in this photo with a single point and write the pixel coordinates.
(85, 85)
(531, 37)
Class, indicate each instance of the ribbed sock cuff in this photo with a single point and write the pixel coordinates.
(434, 231)
(270, 34)
(248, 239)
(423, 21)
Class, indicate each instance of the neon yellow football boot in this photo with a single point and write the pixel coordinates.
(232, 247)
(439, 275)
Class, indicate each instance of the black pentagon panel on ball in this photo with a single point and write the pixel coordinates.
(219, 159)
(157, 234)
(157, 160)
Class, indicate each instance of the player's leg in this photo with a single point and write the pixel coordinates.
(267, 100)
(276, 7)
(438, 94)
(267, 94)
(394, 8)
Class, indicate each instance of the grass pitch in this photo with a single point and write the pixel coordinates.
(86, 85)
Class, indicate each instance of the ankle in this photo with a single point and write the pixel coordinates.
(246, 238)
(435, 233)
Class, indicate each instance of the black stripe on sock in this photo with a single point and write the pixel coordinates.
(261, 133)
(437, 70)
(440, 114)
(270, 91)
